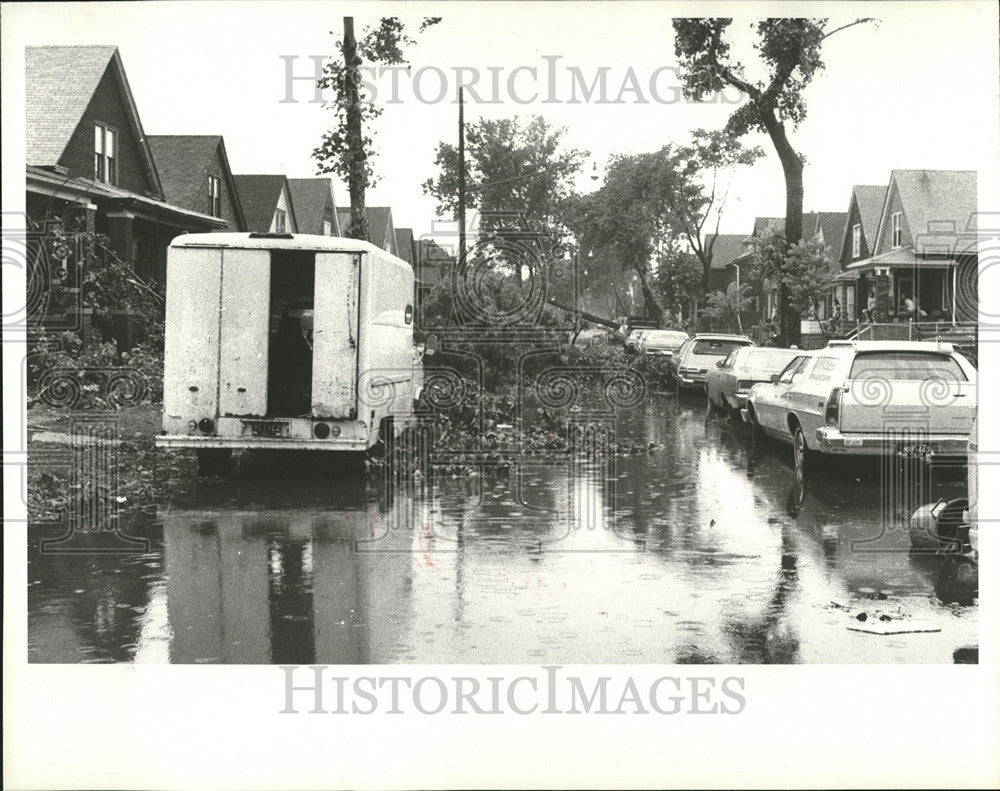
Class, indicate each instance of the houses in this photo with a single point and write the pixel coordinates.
(922, 247)
(906, 249)
(90, 164)
(91, 168)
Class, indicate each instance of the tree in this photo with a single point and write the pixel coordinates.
(790, 53)
(346, 149)
(727, 307)
(678, 277)
(692, 186)
(622, 222)
(511, 166)
(804, 270)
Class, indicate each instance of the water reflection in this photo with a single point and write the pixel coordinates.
(710, 549)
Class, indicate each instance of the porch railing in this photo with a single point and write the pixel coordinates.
(912, 331)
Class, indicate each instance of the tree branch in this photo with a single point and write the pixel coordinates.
(859, 21)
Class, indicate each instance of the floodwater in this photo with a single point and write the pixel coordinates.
(708, 549)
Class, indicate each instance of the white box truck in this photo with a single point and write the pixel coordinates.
(286, 342)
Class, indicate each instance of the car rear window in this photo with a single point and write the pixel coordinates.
(672, 338)
(902, 366)
(716, 348)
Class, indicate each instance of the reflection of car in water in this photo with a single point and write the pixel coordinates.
(730, 381)
(842, 400)
(690, 365)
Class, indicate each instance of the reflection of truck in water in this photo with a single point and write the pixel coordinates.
(282, 342)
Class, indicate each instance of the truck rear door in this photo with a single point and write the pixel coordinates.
(243, 334)
(920, 390)
(335, 336)
(191, 352)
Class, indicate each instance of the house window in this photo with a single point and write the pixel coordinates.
(897, 229)
(105, 154)
(327, 228)
(214, 196)
(856, 241)
(279, 220)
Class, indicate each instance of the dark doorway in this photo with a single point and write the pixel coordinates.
(289, 379)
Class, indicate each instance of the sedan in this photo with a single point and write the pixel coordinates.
(870, 398)
(633, 339)
(662, 343)
(730, 381)
(697, 355)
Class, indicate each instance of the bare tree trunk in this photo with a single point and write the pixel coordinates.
(791, 165)
(357, 178)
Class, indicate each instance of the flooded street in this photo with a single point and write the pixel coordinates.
(709, 549)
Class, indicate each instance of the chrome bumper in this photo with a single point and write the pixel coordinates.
(831, 440)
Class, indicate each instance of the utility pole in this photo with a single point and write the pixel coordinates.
(461, 178)
(357, 179)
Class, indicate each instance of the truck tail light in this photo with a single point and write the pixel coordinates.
(833, 406)
(206, 425)
(744, 385)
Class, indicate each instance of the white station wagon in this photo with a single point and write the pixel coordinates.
(870, 398)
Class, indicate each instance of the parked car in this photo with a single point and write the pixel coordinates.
(730, 381)
(697, 355)
(870, 398)
(661, 343)
(632, 341)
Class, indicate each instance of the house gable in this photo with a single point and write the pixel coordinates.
(261, 196)
(314, 206)
(67, 91)
(847, 245)
(893, 204)
(185, 163)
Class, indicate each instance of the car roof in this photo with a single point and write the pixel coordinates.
(717, 336)
(890, 346)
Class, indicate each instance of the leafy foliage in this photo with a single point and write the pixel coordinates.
(83, 271)
(653, 205)
(511, 165)
(789, 56)
(805, 269)
(725, 308)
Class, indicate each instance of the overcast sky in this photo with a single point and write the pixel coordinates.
(917, 91)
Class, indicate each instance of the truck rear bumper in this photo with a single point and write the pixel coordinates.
(832, 440)
(341, 444)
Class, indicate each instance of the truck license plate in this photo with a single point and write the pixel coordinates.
(916, 450)
(267, 428)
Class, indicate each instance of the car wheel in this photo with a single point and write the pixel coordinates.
(800, 449)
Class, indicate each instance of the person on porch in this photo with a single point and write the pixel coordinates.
(868, 314)
(831, 325)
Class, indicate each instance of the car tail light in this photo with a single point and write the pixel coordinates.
(833, 407)
(206, 425)
(321, 431)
